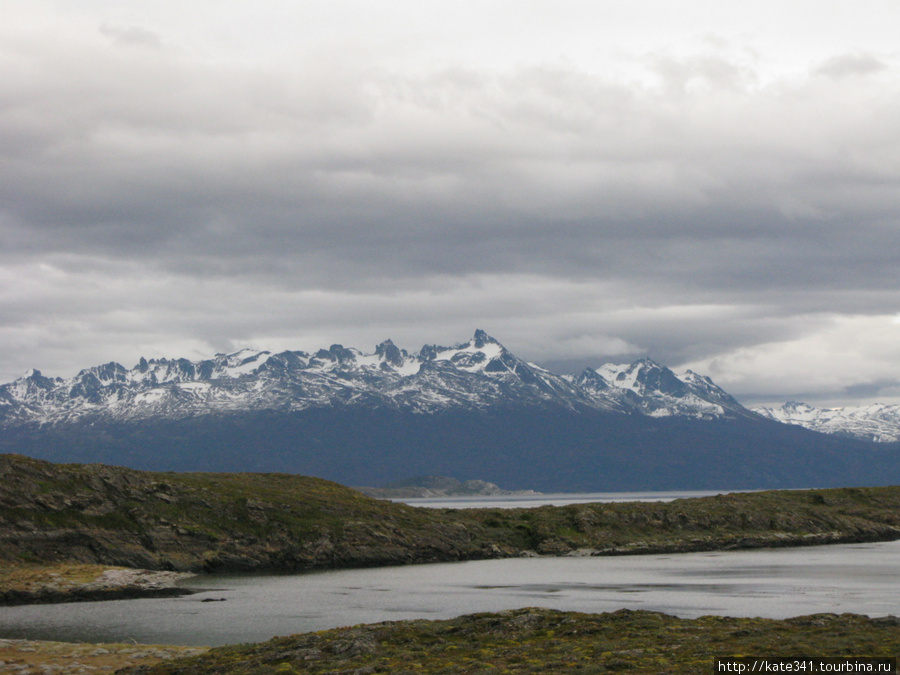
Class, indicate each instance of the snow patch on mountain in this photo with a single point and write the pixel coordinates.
(878, 422)
(657, 391)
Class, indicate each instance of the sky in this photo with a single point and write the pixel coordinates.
(710, 183)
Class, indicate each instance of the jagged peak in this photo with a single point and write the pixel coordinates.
(34, 377)
(645, 362)
(797, 405)
(105, 372)
(481, 353)
(593, 377)
(481, 342)
(480, 339)
(639, 370)
(337, 353)
(390, 355)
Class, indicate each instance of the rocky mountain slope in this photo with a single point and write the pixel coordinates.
(877, 422)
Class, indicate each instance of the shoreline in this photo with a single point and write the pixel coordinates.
(519, 642)
(30, 584)
(24, 584)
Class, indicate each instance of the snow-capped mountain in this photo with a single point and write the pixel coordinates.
(477, 374)
(655, 390)
(470, 410)
(876, 422)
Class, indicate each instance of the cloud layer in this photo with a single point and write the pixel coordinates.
(174, 183)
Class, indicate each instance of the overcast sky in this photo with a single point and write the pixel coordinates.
(714, 184)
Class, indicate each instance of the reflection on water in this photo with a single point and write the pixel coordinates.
(862, 578)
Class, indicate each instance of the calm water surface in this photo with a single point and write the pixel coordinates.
(561, 499)
(861, 578)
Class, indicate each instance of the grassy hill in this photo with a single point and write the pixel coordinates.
(62, 526)
(211, 522)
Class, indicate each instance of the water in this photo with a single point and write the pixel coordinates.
(860, 578)
(561, 499)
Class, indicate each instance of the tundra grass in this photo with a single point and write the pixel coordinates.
(547, 641)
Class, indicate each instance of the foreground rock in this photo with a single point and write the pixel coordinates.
(546, 641)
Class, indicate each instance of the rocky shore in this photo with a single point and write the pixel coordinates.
(35, 584)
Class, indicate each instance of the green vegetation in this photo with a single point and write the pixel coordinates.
(210, 522)
(23, 577)
(276, 522)
(743, 520)
(62, 526)
(546, 641)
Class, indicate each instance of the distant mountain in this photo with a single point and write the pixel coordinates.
(438, 486)
(472, 409)
(646, 387)
(475, 375)
(876, 422)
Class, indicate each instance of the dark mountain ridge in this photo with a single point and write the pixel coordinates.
(473, 410)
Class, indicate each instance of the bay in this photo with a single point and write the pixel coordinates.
(528, 501)
(777, 583)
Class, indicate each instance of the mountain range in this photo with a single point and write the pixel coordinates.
(879, 422)
(472, 410)
(475, 375)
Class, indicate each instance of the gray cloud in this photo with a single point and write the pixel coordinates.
(131, 36)
(851, 65)
(704, 211)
